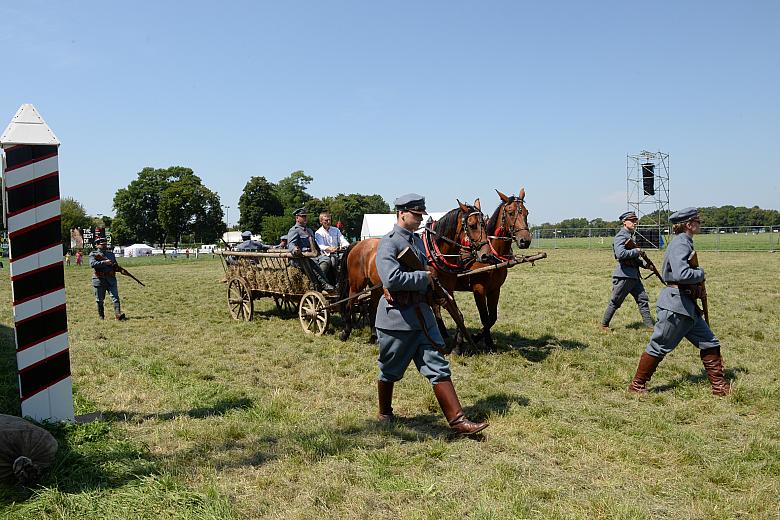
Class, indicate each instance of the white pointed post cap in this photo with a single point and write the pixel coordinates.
(28, 127)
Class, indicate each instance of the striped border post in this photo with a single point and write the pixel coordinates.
(31, 192)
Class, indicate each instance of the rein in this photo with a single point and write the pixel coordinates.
(507, 233)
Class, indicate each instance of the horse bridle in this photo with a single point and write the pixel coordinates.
(471, 247)
(512, 230)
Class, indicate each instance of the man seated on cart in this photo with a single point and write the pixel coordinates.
(331, 243)
(300, 239)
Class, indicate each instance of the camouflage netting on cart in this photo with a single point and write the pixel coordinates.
(277, 275)
(26, 450)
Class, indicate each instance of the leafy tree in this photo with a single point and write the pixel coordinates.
(274, 226)
(72, 216)
(259, 199)
(291, 191)
(120, 233)
(168, 202)
(349, 209)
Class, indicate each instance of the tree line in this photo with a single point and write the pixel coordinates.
(170, 205)
(723, 216)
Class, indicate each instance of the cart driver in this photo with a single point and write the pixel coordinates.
(300, 239)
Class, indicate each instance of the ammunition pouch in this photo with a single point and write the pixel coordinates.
(693, 290)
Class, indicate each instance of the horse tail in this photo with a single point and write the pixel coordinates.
(343, 281)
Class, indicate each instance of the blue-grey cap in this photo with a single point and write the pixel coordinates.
(684, 215)
(283, 237)
(246, 234)
(411, 202)
(300, 211)
(628, 215)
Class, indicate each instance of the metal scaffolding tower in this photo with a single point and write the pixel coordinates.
(647, 194)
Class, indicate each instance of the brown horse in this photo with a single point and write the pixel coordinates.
(509, 223)
(460, 233)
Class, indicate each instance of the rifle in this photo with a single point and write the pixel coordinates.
(119, 268)
(701, 291)
(648, 264)
(408, 259)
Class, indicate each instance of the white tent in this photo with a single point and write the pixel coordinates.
(138, 250)
(376, 225)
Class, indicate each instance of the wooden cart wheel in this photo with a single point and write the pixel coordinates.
(240, 300)
(313, 314)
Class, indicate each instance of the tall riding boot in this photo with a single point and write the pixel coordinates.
(645, 370)
(713, 364)
(100, 310)
(448, 400)
(385, 400)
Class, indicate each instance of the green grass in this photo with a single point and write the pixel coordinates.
(204, 417)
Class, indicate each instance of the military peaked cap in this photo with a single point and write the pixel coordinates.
(411, 202)
(246, 234)
(300, 211)
(100, 240)
(628, 215)
(684, 215)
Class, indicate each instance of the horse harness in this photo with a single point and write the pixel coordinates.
(507, 233)
(439, 260)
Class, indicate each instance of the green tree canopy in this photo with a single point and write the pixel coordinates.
(259, 199)
(291, 191)
(350, 208)
(166, 203)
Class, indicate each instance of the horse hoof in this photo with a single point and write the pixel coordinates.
(344, 336)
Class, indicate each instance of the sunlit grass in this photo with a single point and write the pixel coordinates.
(205, 417)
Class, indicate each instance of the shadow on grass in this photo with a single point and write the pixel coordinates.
(219, 408)
(9, 382)
(532, 349)
(696, 379)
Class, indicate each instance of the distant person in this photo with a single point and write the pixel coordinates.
(331, 242)
(678, 315)
(300, 239)
(625, 278)
(67, 258)
(104, 266)
(248, 244)
(187, 253)
(78, 258)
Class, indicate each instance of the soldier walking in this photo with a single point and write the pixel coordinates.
(104, 269)
(625, 278)
(405, 324)
(678, 315)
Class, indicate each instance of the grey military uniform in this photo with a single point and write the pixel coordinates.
(104, 279)
(302, 237)
(676, 310)
(401, 338)
(626, 280)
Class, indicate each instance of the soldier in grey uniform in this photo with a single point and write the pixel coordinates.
(625, 278)
(405, 325)
(678, 316)
(248, 244)
(300, 239)
(104, 269)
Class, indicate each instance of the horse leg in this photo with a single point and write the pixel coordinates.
(492, 317)
(346, 312)
(481, 301)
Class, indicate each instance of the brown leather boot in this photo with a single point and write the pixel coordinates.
(448, 400)
(645, 370)
(713, 364)
(385, 401)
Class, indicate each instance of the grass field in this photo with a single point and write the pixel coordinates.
(204, 417)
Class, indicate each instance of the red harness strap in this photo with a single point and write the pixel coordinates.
(434, 261)
(499, 233)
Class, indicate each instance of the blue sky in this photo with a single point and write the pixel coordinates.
(448, 99)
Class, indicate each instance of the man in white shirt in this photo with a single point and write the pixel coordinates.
(330, 240)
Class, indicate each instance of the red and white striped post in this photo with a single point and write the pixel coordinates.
(31, 192)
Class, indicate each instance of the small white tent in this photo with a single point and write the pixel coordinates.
(138, 250)
(376, 225)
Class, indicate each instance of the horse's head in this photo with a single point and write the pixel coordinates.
(514, 218)
(474, 232)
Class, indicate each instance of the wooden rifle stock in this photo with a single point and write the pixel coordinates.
(701, 293)
(120, 269)
(648, 263)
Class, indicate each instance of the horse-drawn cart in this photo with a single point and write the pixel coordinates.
(274, 274)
